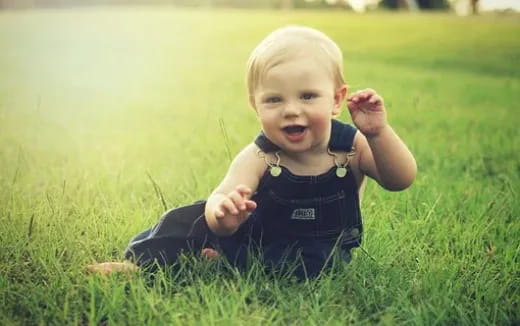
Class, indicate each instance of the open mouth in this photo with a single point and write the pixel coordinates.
(295, 129)
(295, 133)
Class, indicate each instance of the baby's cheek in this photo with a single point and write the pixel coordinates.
(320, 123)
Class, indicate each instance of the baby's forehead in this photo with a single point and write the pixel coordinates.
(303, 66)
(288, 53)
(289, 44)
(308, 61)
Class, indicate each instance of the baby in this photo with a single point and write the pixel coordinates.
(294, 192)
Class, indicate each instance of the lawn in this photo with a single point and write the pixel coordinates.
(97, 105)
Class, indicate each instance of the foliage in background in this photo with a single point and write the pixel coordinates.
(287, 4)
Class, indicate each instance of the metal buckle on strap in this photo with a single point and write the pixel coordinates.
(274, 168)
(341, 168)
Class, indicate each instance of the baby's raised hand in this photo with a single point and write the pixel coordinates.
(367, 111)
(234, 208)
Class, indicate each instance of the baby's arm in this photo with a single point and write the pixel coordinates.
(229, 205)
(382, 154)
(226, 208)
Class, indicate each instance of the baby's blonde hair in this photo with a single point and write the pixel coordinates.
(287, 43)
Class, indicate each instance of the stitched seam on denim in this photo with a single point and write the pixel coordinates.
(293, 202)
(338, 196)
(308, 201)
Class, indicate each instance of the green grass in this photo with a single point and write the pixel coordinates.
(93, 101)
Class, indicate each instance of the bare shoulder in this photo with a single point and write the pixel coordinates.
(246, 169)
(250, 160)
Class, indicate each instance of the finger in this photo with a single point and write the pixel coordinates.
(352, 106)
(366, 94)
(219, 213)
(243, 190)
(250, 205)
(229, 206)
(237, 200)
(354, 97)
(375, 99)
(362, 95)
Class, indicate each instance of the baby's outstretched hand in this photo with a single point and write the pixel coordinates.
(235, 208)
(368, 112)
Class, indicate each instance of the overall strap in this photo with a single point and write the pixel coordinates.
(265, 144)
(341, 138)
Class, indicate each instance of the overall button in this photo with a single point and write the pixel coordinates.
(354, 232)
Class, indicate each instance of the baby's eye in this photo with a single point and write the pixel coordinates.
(308, 96)
(273, 99)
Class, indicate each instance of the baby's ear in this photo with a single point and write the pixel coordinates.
(339, 98)
(252, 102)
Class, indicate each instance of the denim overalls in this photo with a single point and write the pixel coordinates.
(298, 223)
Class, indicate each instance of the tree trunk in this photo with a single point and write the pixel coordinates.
(474, 6)
(287, 4)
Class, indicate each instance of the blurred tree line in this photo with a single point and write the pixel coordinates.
(186, 3)
(422, 4)
(287, 4)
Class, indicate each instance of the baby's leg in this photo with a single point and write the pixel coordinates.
(128, 267)
(125, 267)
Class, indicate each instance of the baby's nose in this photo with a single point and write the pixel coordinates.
(292, 109)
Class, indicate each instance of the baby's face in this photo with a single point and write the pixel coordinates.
(295, 102)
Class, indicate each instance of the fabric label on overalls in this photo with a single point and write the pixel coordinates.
(303, 214)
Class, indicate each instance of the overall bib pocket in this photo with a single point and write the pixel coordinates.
(314, 217)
